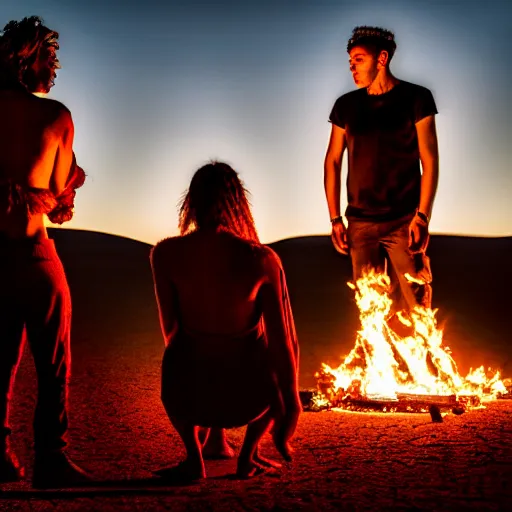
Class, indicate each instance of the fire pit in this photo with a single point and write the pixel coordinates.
(399, 363)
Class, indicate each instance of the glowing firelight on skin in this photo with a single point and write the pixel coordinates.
(383, 364)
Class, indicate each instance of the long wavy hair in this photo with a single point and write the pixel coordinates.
(28, 55)
(217, 198)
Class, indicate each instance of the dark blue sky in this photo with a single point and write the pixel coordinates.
(156, 90)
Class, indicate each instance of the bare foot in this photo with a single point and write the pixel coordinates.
(216, 451)
(255, 466)
(186, 471)
(249, 469)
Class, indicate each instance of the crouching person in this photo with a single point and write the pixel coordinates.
(231, 356)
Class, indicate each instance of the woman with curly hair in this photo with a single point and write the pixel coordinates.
(231, 356)
(38, 176)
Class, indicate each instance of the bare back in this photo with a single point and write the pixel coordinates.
(216, 278)
(36, 137)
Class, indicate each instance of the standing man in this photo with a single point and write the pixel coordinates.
(38, 177)
(388, 127)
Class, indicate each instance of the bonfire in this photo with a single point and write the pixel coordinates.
(400, 369)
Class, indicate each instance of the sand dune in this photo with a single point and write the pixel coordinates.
(110, 279)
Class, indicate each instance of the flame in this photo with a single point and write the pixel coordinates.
(384, 365)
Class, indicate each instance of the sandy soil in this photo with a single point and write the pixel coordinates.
(343, 461)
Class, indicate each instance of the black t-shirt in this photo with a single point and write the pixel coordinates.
(384, 176)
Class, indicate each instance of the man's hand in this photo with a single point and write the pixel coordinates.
(284, 428)
(339, 236)
(418, 234)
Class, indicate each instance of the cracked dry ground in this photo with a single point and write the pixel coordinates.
(343, 461)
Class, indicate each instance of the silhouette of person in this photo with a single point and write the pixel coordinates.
(388, 127)
(231, 356)
(38, 176)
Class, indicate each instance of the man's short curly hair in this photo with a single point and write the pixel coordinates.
(22, 44)
(374, 39)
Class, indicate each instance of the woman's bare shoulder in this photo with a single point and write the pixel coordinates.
(165, 247)
(271, 259)
(265, 254)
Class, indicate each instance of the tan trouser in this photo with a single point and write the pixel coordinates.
(383, 246)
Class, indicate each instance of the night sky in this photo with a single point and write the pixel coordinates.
(158, 90)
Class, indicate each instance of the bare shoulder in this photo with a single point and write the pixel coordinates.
(58, 115)
(165, 248)
(271, 260)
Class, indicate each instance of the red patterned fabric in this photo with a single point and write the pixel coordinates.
(59, 208)
(63, 211)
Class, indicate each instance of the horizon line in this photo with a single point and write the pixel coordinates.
(311, 235)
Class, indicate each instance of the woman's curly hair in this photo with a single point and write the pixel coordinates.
(217, 198)
(22, 44)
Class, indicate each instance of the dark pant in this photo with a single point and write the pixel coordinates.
(35, 303)
(383, 246)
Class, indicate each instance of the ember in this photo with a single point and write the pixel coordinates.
(389, 371)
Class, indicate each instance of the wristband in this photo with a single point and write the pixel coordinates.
(422, 216)
(336, 219)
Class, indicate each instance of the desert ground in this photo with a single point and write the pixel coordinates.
(342, 461)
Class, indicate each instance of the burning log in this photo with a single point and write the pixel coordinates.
(315, 401)
(448, 401)
(412, 406)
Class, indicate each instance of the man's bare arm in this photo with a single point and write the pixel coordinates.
(64, 154)
(429, 156)
(332, 169)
